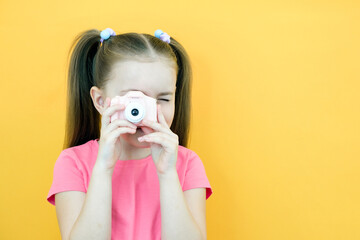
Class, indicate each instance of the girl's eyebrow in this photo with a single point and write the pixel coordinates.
(160, 94)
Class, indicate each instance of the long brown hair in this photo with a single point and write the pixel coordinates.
(90, 65)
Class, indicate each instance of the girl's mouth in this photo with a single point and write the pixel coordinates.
(143, 129)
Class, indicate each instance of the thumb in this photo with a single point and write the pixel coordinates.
(146, 130)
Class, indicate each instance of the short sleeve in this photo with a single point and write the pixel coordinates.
(67, 176)
(195, 175)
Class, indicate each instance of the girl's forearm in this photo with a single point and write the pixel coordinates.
(176, 219)
(94, 221)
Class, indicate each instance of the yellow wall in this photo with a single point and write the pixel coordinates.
(276, 116)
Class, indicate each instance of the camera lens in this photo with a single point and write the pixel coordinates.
(134, 112)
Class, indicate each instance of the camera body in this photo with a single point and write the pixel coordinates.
(138, 107)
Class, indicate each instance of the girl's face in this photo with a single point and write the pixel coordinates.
(154, 79)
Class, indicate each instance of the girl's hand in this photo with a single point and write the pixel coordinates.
(164, 144)
(109, 143)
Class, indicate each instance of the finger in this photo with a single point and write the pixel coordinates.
(103, 117)
(147, 130)
(156, 126)
(116, 124)
(160, 138)
(161, 117)
(112, 137)
(107, 103)
(109, 112)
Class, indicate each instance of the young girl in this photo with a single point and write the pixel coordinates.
(118, 180)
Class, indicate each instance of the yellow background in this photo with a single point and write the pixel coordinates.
(276, 104)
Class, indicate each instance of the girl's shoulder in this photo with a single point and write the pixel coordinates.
(82, 148)
(186, 153)
(83, 151)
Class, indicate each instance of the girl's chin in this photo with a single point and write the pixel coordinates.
(143, 145)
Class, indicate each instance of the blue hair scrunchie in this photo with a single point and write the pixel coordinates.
(162, 36)
(105, 34)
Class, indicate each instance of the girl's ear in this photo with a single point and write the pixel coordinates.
(98, 98)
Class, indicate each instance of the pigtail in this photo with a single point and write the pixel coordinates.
(181, 121)
(82, 119)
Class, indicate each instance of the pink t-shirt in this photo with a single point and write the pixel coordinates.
(135, 187)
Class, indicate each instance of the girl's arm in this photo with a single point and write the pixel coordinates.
(176, 219)
(94, 220)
